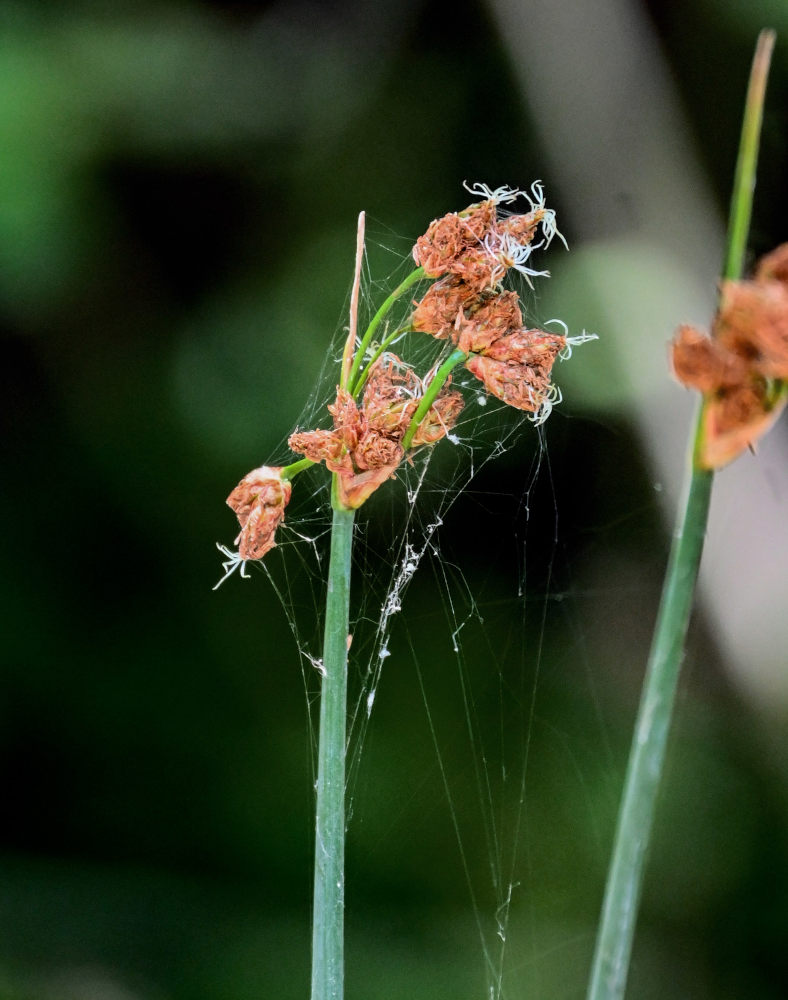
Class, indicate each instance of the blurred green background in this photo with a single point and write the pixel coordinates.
(179, 183)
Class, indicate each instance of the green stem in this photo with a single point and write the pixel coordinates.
(384, 346)
(329, 892)
(412, 279)
(622, 895)
(428, 398)
(646, 760)
(292, 470)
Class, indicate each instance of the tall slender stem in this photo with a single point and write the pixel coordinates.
(646, 759)
(328, 917)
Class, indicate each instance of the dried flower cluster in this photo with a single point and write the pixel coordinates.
(742, 368)
(469, 253)
(365, 446)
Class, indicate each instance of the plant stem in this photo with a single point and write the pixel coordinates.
(292, 470)
(646, 759)
(329, 892)
(361, 381)
(428, 398)
(414, 277)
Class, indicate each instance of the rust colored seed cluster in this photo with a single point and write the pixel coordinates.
(365, 448)
(259, 502)
(474, 245)
(471, 252)
(742, 368)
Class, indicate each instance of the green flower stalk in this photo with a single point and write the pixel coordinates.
(384, 411)
(723, 381)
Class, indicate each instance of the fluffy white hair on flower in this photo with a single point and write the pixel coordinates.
(231, 564)
(510, 253)
(552, 398)
(536, 200)
(581, 338)
(501, 196)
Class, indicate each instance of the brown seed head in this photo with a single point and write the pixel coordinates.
(321, 446)
(518, 385)
(534, 348)
(442, 310)
(390, 396)
(346, 418)
(496, 316)
(742, 369)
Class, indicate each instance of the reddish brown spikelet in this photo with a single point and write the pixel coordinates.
(479, 220)
(441, 311)
(390, 396)
(753, 322)
(496, 316)
(346, 418)
(522, 228)
(439, 247)
(704, 364)
(259, 502)
(375, 450)
(518, 385)
(321, 446)
(534, 348)
(479, 269)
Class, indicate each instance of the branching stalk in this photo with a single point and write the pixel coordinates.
(414, 277)
(430, 395)
(622, 893)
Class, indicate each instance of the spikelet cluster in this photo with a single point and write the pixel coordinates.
(383, 411)
(365, 447)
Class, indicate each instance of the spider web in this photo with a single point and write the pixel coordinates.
(399, 535)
